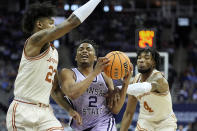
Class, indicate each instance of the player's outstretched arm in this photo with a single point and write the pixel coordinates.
(116, 100)
(77, 17)
(58, 96)
(112, 94)
(75, 89)
(128, 114)
(158, 84)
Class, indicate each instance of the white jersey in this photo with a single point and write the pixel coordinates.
(154, 106)
(35, 76)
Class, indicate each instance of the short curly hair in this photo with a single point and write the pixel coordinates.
(154, 53)
(36, 11)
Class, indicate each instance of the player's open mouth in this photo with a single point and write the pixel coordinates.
(84, 56)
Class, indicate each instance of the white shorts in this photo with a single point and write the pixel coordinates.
(29, 117)
(169, 124)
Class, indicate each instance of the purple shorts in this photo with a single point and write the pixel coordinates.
(107, 125)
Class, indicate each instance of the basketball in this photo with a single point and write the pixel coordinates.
(119, 65)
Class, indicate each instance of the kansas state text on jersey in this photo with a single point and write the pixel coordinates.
(92, 104)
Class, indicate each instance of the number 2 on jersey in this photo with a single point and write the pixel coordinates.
(147, 107)
(50, 74)
(92, 101)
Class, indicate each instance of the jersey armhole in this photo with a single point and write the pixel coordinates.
(160, 94)
(136, 79)
(75, 76)
(35, 57)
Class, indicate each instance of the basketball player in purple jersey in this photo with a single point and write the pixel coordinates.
(86, 86)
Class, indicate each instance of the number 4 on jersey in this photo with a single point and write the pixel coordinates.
(147, 107)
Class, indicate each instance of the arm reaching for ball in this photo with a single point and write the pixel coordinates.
(116, 98)
(159, 85)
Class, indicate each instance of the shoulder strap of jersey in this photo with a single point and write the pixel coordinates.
(136, 79)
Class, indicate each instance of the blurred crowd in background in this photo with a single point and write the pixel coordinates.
(111, 31)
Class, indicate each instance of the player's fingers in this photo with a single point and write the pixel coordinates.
(115, 101)
(105, 65)
(80, 120)
(126, 76)
(129, 74)
(117, 97)
(110, 103)
(102, 59)
(131, 66)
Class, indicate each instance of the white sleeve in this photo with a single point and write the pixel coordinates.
(84, 11)
(137, 89)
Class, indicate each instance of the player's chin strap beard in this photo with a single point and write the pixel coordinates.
(144, 71)
(85, 65)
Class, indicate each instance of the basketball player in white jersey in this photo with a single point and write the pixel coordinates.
(30, 109)
(86, 87)
(151, 89)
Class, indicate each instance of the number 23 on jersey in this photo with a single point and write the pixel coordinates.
(50, 74)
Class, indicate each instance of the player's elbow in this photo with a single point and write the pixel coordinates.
(55, 94)
(129, 115)
(69, 92)
(115, 110)
(72, 95)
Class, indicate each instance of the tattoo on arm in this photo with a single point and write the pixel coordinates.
(48, 35)
(59, 30)
(38, 36)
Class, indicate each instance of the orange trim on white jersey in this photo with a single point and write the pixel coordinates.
(140, 128)
(154, 93)
(39, 104)
(55, 128)
(136, 79)
(39, 56)
(25, 102)
(140, 75)
(174, 117)
(35, 57)
(13, 117)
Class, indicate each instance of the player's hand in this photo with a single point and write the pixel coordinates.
(76, 116)
(126, 79)
(112, 97)
(102, 62)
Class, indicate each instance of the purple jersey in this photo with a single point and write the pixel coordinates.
(92, 104)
